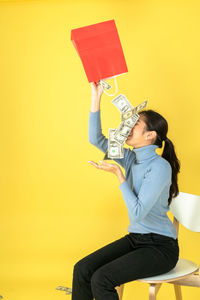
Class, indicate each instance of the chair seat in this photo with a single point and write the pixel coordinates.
(183, 267)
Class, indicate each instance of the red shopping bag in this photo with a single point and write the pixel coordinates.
(100, 50)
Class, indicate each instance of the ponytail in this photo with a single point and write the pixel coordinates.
(170, 155)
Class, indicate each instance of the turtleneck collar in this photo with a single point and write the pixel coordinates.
(145, 152)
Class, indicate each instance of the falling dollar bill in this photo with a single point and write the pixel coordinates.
(121, 133)
(120, 138)
(129, 117)
(122, 103)
(132, 120)
(124, 129)
(141, 106)
(104, 84)
(115, 150)
(65, 289)
(128, 114)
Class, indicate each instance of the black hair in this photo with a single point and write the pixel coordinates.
(155, 122)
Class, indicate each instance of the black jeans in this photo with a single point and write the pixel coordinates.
(132, 257)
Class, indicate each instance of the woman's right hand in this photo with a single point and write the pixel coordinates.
(97, 90)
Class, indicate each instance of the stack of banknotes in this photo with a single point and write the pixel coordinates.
(118, 136)
(129, 117)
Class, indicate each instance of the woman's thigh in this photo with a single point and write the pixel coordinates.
(104, 255)
(139, 263)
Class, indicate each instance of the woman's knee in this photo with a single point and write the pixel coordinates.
(81, 268)
(100, 279)
(102, 284)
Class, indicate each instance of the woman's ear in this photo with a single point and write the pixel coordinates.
(154, 134)
(151, 135)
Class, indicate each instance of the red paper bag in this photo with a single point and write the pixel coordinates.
(100, 50)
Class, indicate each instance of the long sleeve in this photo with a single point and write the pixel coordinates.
(99, 140)
(156, 178)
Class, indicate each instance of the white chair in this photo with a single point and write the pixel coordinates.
(186, 210)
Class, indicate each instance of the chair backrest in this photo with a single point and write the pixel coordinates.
(186, 209)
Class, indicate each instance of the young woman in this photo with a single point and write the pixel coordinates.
(151, 246)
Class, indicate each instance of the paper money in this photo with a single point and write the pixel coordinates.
(115, 150)
(141, 106)
(104, 84)
(120, 138)
(129, 117)
(122, 103)
(65, 289)
(134, 111)
(121, 133)
(132, 120)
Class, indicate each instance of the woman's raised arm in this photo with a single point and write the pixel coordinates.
(97, 91)
(95, 132)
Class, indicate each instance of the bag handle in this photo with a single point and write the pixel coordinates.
(116, 89)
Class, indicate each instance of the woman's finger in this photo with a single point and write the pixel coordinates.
(104, 166)
(94, 164)
(105, 163)
(101, 167)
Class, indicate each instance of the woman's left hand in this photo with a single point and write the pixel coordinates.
(112, 168)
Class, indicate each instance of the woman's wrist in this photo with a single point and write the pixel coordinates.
(120, 176)
(95, 104)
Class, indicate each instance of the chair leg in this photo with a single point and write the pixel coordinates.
(120, 290)
(177, 289)
(153, 290)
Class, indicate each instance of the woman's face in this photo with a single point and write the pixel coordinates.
(139, 136)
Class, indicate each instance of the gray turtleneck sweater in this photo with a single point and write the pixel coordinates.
(146, 189)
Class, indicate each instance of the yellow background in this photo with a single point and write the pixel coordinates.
(55, 207)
